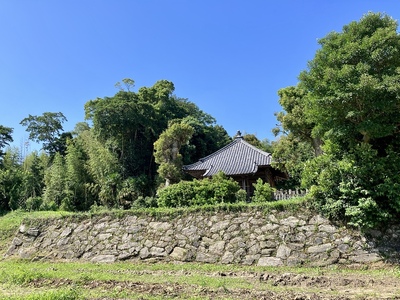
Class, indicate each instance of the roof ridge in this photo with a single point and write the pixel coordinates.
(234, 142)
(255, 148)
(231, 144)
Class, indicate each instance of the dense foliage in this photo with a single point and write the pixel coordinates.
(111, 162)
(346, 107)
(218, 189)
(263, 192)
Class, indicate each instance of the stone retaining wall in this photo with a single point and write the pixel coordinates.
(249, 238)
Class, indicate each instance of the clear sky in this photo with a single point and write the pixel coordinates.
(230, 57)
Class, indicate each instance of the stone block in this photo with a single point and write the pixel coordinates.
(227, 258)
(179, 254)
(283, 251)
(254, 249)
(320, 248)
(27, 253)
(160, 226)
(104, 236)
(144, 253)
(206, 257)
(17, 242)
(294, 261)
(327, 228)
(344, 248)
(250, 259)
(33, 232)
(103, 259)
(219, 226)
(158, 252)
(317, 220)
(273, 219)
(125, 256)
(366, 258)
(269, 227)
(133, 229)
(269, 262)
(217, 247)
(290, 221)
(22, 228)
(66, 232)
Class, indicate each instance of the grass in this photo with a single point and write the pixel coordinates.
(82, 280)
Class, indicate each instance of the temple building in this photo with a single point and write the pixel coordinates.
(239, 160)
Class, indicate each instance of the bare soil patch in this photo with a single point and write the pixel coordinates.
(268, 285)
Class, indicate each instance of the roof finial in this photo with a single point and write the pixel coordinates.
(238, 135)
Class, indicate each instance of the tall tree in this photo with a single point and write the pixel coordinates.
(5, 138)
(130, 122)
(76, 177)
(46, 129)
(11, 181)
(296, 144)
(167, 151)
(294, 119)
(55, 179)
(351, 102)
(103, 168)
(353, 83)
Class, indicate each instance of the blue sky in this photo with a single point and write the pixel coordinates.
(230, 57)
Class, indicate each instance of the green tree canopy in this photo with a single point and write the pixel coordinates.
(130, 122)
(46, 129)
(5, 138)
(353, 83)
(166, 151)
(348, 99)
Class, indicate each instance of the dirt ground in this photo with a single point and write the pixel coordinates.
(266, 286)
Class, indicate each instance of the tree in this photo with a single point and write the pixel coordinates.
(34, 167)
(103, 168)
(55, 179)
(294, 118)
(11, 181)
(130, 122)
(296, 144)
(206, 139)
(350, 100)
(167, 151)
(290, 155)
(353, 83)
(5, 138)
(75, 179)
(45, 129)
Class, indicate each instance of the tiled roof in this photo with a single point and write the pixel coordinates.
(238, 157)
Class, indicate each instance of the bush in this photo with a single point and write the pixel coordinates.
(144, 202)
(33, 203)
(241, 196)
(361, 187)
(48, 206)
(218, 189)
(263, 192)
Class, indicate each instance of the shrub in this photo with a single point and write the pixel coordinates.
(361, 187)
(241, 196)
(33, 203)
(263, 192)
(218, 189)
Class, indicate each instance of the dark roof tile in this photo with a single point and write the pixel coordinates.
(238, 157)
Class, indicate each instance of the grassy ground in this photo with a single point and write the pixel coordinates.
(140, 280)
